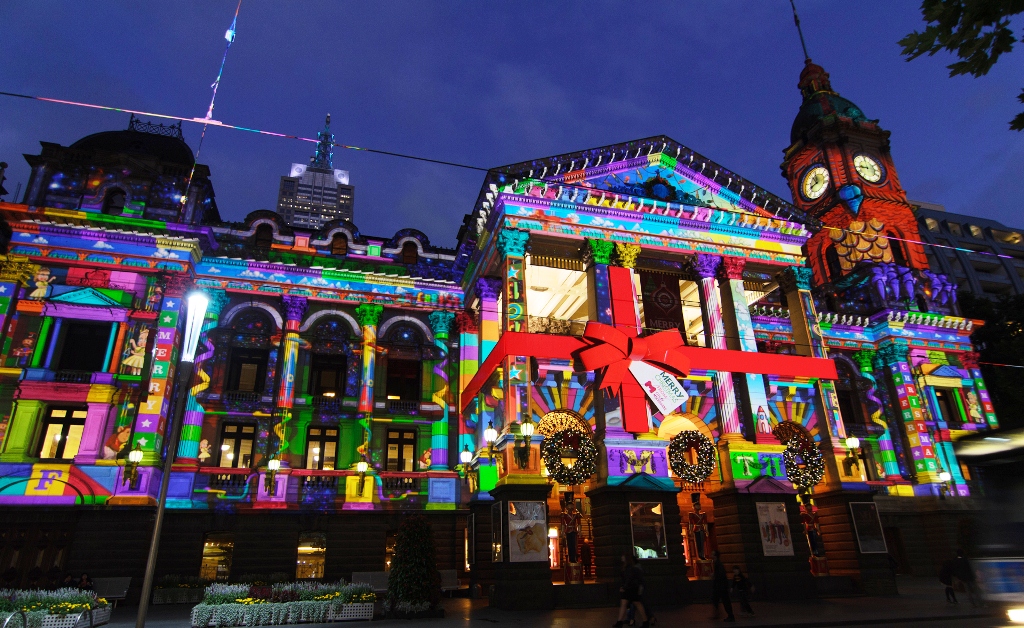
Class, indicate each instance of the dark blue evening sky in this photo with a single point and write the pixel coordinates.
(491, 83)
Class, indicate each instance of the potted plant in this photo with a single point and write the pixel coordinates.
(414, 584)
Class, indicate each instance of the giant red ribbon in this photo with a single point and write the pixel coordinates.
(614, 351)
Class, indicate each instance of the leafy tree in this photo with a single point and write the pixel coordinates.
(1001, 341)
(414, 579)
(978, 31)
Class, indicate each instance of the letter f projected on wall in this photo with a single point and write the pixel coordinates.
(46, 478)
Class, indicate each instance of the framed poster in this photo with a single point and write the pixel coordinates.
(496, 516)
(774, 524)
(527, 532)
(647, 523)
(868, 528)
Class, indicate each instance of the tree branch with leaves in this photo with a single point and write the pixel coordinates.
(977, 31)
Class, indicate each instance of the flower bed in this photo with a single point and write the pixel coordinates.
(273, 605)
(62, 608)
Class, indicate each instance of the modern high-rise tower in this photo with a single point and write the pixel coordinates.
(314, 194)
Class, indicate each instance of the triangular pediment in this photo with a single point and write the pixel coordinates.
(946, 371)
(769, 485)
(657, 169)
(85, 296)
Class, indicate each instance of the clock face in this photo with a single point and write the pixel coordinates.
(868, 169)
(815, 182)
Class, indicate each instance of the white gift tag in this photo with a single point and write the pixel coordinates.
(662, 388)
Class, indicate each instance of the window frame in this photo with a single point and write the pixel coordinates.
(238, 437)
(67, 422)
(400, 440)
(314, 385)
(234, 375)
(308, 535)
(321, 440)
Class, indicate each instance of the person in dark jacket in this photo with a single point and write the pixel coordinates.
(741, 587)
(946, 578)
(720, 588)
(631, 592)
(963, 573)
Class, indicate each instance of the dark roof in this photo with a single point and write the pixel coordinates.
(168, 149)
(819, 101)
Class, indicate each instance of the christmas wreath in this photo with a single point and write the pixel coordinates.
(573, 445)
(805, 465)
(682, 442)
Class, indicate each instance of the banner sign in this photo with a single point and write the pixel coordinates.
(662, 388)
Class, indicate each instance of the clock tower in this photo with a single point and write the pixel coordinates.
(840, 171)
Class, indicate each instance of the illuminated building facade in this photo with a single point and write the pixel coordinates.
(631, 349)
(314, 194)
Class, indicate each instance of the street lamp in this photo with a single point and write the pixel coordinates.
(523, 447)
(269, 480)
(490, 436)
(197, 302)
(465, 456)
(853, 450)
(362, 467)
(131, 469)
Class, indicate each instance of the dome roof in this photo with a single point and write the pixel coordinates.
(819, 101)
(166, 148)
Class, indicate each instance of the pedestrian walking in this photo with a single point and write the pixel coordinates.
(964, 580)
(720, 588)
(946, 578)
(631, 592)
(741, 587)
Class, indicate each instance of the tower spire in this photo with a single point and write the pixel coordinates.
(803, 44)
(324, 156)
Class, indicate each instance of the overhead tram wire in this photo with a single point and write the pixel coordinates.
(441, 162)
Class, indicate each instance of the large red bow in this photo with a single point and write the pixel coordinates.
(614, 351)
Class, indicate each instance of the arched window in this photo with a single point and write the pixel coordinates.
(113, 202)
(264, 236)
(835, 268)
(247, 360)
(339, 244)
(410, 254)
(329, 360)
(897, 249)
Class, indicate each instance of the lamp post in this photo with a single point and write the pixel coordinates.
(523, 448)
(197, 303)
(362, 467)
(269, 481)
(465, 457)
(944, 478)
(491, 436)
(131, 469)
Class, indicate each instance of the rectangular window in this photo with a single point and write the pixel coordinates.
(312, 553)
(556, 293)
(217, 550)
(404, 380)
(327, 375)
(62, 433)
(321, 448)
(947, 406)
(236, 442)
(85, 346)
(401, 446)
(246, 370)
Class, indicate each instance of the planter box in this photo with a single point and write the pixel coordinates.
(178, 596)
(341, 612)
(100, 616)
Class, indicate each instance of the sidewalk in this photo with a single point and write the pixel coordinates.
(920, 600)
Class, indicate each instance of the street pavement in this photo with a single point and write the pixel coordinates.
(920, 603)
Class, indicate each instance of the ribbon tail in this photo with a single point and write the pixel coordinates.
(634, 407)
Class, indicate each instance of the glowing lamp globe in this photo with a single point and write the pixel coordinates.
(527, 428)
(490, 434)
(274, 465)
(944, 476)
(135, 456)
(361, 466)
(197, 304)
(853, 442)
(465, 456)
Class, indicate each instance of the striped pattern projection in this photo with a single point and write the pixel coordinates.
(559, 390)
(469, 356)
(795, 402)
(439, 428)
(701, 402)
(153, 413)
(885, 452)
(192, 422)
(715, 334)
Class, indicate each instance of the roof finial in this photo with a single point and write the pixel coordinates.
(796, 18)
(324, 147)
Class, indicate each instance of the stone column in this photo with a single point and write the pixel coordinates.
(368, 315)
(740, 336)
(469, 364)
(152, 416)
(98, 423)
(520, 585)
(908, 405)
(294, 310)
(21, 430)
(192, 422)
(706, 267)
(487, 290)
(512, 248)
(440, 323)
(969, 361)
(887, 452)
